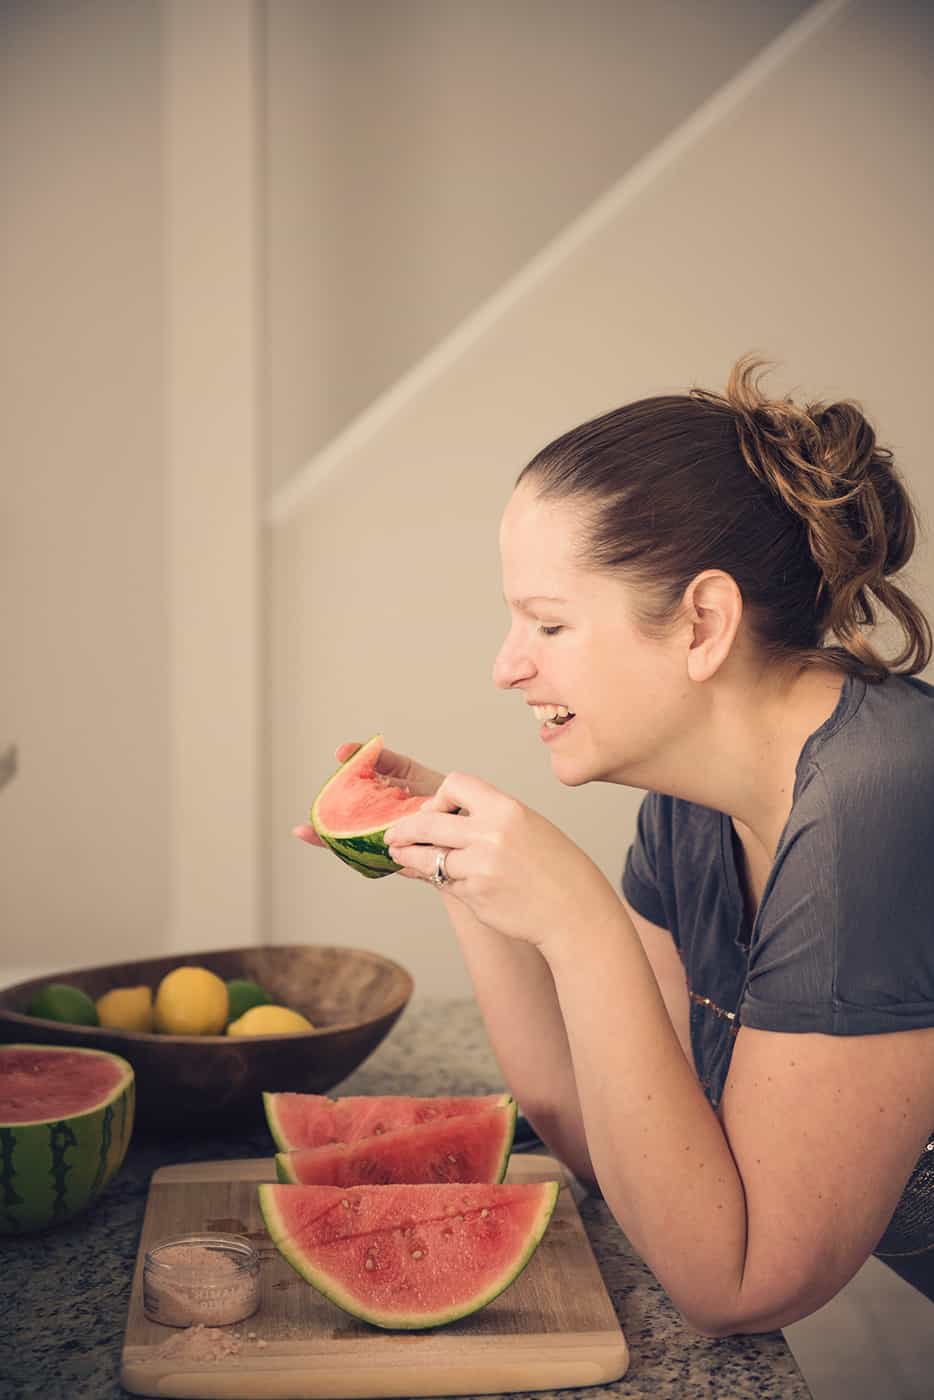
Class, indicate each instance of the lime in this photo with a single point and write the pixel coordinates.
(191, 1001)
(269, 1020)
(243, 994)
(126, 1009)
(57, 1001)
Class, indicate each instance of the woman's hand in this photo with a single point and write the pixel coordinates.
(420, 781)
(513, 868)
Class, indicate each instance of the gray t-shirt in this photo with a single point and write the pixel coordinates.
(843, 939)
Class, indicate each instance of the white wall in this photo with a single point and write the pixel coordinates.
(392, 153)
(421, 150)
(133, 435)
(83, 571)
(799, 223)
(130, 572)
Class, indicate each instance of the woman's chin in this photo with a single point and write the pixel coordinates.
(571, 772)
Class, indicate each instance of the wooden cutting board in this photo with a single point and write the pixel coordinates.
(554, 1326)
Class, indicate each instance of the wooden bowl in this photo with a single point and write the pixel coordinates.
(352, 997)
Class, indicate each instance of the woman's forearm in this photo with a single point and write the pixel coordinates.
(658, 1149)
(516, 994)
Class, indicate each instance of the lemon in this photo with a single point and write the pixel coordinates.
(57, 1001)
(126, 1009)
(191, 1001)
(244, 994)
(269, 1020)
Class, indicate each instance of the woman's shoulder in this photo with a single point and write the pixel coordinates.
(881, 750)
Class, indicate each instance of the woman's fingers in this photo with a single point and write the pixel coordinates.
(307, 833)
(418, 779)
(421, 862)
(422, 781)
(427, 828)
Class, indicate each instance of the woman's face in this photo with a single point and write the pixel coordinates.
(572, 643)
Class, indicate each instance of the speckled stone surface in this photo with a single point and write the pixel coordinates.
(65, 1294)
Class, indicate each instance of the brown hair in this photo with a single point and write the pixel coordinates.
(799, 505)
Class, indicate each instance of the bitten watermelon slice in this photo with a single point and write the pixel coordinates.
(66, 1116)
(472, 1148)
(314, 1120)
(354, 808)
(409, 1257)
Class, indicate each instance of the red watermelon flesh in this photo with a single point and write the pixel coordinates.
(412, 1256)
(314, 1120)
(472, 1148)
(38, 1085)
(365, 797)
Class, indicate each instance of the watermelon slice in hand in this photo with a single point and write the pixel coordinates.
(314, 1120)
(66, 1116)
(412, 1256)
(354, 808)
(474, 1147)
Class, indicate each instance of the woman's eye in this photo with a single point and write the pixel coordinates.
(549, 631)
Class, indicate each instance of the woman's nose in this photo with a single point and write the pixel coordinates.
(512, 666)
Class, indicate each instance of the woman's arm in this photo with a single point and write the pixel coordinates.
(753, 1219)
(515, 991)
(665, 962)
(516, 995)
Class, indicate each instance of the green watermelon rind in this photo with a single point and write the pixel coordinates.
(284, 1144)
(324, 1284)
(363, 851)
(379, 1142)
(53, 1168)
(284, 1174)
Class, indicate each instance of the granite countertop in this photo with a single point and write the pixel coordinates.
(66, 1292)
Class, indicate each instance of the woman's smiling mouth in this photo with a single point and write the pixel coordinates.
(552, 717)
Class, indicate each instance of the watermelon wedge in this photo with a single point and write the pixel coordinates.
(354, 808)
(473, 1148)
(413, 1256)
(66, 1116)
(314, 1120)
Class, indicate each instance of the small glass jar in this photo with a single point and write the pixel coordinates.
(208, 1279)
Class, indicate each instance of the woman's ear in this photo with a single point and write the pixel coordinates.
(713, 606)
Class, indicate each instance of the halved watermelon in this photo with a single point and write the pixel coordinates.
(472, 1148)
(66, 1116)
(409, 1257)
(354, 808)
(314, 1120)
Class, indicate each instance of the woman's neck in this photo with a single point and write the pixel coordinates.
(746, 748)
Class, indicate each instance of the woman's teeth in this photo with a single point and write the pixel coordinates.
(552, 715)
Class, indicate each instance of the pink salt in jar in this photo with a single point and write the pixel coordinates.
(208, 1279)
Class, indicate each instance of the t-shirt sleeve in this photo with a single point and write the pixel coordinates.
(844, 942)
(642, 883)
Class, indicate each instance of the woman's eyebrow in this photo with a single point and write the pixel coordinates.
(523, 603)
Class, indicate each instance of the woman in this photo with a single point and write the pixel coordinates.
(740, 1053)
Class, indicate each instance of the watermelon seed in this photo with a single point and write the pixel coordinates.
(484, 1212)
(345, 1204)
(417, 1253)
(369, 1262)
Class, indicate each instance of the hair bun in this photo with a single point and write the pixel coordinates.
(825, 464)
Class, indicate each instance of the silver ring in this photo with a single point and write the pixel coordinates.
(441, 876)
